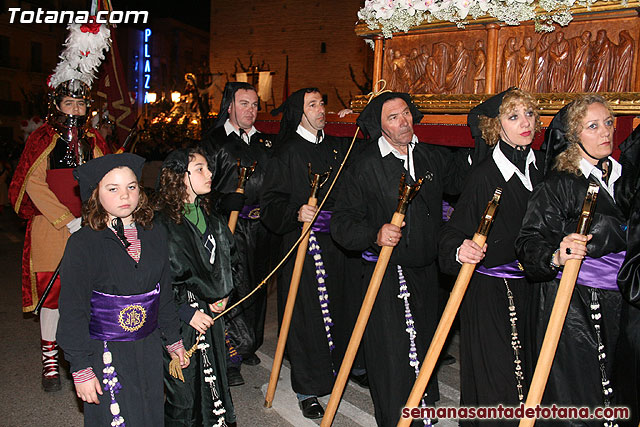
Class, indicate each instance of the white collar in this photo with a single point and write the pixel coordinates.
(507, 169)
(246, 136)
(303, 132)
(589, 169)
(386, 149)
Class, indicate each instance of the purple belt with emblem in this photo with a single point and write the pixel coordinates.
(250, 212)
(512, 270)
(601, 273)
(123, 317)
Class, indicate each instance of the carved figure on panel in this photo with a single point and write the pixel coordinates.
(456, 76)
(479, 62)
(400, 74)
(526, 65)
(602, 57)
(423, 58)
(441, 64)
(414, 65)
(580, 55)
(509, 64)
(427, 82)
(558, 63)
(542, 62)
(623, 63)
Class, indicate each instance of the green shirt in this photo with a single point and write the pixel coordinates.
(194, 214)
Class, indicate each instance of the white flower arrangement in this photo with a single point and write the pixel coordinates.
(400, 15)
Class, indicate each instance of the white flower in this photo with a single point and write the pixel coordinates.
(106, 358)
(400, 15)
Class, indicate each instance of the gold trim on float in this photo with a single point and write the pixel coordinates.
(627, 103)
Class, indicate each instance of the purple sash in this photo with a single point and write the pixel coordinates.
(512, 270)
(369, 256)
(250, 212)
(123, 317)
(601, 273)
(322, 222)
(447, 211)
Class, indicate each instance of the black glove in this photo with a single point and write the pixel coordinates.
(232, 202)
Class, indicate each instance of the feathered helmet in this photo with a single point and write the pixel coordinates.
(83, 53)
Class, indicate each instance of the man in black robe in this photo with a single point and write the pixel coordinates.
(234, 138)
(317, 337)
(367, 200)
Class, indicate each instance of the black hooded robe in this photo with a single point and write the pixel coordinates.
(628, 361)
(367, 200)
(97, 260)
(629, 346)
(246, 322)
(190, 403)
(286, 188)
(487, 370)
(552, 213)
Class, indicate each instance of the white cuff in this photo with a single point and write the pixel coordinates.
(74, 225)
(458, 255)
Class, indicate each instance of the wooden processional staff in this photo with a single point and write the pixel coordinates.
(559, 311)
(407, 193)
(244, 173)
(317, 181)
(450, 311)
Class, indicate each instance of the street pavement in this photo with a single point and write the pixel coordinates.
(24, 404)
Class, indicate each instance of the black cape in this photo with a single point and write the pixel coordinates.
(246, 322)
(552, 213)
(487, 370)
(191, 401)
(286, 188)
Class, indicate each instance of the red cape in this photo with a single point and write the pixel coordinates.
(37, 148)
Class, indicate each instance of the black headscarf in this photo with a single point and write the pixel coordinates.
(91, 173)
(555, 138)
(629, 184)
(292, 109)
(177, 161)
(370, 120)
(489, 108)
(228, 96)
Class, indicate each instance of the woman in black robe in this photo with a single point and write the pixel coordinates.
(202, 258)
(582, 370)
(495, 365)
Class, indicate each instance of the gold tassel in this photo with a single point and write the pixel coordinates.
(174, 366)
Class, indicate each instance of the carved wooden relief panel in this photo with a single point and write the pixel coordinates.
(582, 57)
(598, 55)
(454, 63)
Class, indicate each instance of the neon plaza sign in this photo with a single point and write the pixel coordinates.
(146, 59)
(42, 16)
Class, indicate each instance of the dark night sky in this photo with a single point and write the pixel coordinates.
(194, 12)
